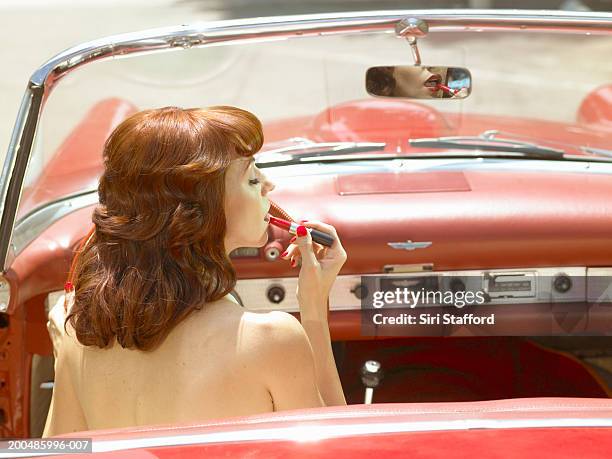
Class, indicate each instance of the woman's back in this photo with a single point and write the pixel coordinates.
(153, 337)
(203, 369)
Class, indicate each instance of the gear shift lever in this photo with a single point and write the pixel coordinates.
(371, 375)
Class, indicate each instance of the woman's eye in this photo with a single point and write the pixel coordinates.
(254, 181)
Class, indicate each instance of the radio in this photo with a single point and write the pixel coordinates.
(510, 284)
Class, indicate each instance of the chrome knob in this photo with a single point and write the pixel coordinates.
(371, 376)
(276, 294)
(273, 250)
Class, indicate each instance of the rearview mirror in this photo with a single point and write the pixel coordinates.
(419, 82)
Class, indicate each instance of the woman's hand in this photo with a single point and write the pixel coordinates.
(318, 272)
(463, 92)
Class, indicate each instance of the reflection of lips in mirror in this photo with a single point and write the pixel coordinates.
(433, 81)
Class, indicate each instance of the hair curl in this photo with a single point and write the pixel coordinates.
(157, 253)
(380, 81)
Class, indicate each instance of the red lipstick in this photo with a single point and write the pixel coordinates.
(291, 227)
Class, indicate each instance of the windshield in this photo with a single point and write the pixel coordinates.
(540, 86)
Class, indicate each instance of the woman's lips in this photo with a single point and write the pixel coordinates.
(433, 81)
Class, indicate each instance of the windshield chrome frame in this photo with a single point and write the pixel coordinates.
(44, 79)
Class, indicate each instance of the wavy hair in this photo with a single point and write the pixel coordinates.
(380, 81)
(157, 252)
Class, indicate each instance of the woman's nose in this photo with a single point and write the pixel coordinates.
(268, 186)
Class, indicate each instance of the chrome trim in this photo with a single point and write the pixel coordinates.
(5, 294)
(600, 285)
(411, 29)
(391, 164)
(316, 432)
(341, 298)
(278, 154)
(473, 279)
(272, 253)
(46, 77)
(40, 219)
(9, 163)
(253, 294)
(408, 268)
(409, 245)
(15, 165)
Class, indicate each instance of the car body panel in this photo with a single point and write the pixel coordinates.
(546, 427)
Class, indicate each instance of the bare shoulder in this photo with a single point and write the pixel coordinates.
(274, 329)
(286, 364)
(278, 340)
(257, 331)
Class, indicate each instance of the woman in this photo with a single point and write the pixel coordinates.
(153, 336)
(413, 82)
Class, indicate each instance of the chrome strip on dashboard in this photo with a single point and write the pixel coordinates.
(588, 285)
(600, 285)
(44, 79)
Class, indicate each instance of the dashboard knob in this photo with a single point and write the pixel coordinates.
(562, 283)
(457, 285)
(273, 250)
(360, 291)
(276, 294)
(371, 373)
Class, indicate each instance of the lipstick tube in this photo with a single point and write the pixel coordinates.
(291, 227)
(448, 90)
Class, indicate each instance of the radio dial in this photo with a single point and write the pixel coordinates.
(360, 291)
(273, 250)
(562, 283)
(457, 285)
(276, 294)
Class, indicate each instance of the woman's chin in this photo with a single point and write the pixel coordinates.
(264, 238)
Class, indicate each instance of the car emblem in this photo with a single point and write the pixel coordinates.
(409, 245)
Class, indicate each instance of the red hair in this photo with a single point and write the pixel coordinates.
(158, 252)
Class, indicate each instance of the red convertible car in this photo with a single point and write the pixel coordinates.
(492, 175)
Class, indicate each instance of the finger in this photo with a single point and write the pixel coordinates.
(319, 225)
(324, 227)
(306, 251)
(334, 254)
(296, 260)
(321, 252)
(290, 251)
(336, 251)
